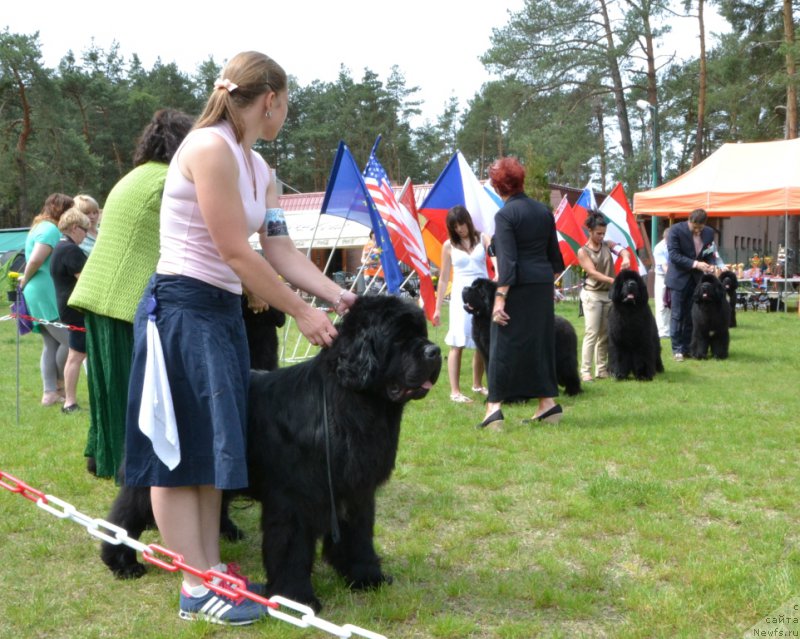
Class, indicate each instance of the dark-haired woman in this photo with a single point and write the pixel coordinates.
(596, 257)
(40, 294)
(121, 262)
(218, 192)
(522, 362)
(465, 252)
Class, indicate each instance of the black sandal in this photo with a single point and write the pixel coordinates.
(493, 421)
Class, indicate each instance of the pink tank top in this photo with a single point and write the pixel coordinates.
(186, 245)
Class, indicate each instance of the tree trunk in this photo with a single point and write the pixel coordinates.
(20, 155)
(601, 143)
(626, 141)
(701, 94)
(791, 124)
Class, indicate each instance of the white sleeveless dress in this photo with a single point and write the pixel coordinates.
(466, 267)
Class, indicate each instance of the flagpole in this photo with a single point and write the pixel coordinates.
(404, 189)
(563, 273)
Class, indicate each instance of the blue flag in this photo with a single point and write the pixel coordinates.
(347, 196)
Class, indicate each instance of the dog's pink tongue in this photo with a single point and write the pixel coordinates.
(427, 385)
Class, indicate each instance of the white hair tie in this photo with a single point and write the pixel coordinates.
(226, 84)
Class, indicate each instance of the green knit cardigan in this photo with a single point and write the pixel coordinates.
(127, 248)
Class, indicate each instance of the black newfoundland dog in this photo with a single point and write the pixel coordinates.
(478, 300)
(730, 283)
(322, 437)
(710, 319)
(634, 347)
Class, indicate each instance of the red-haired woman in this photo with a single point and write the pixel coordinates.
(522, 362)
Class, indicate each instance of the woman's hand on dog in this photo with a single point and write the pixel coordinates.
(316, 327)
(345, 300)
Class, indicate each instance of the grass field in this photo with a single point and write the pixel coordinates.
(662, 509)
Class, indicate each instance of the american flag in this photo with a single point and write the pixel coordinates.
(403, 228)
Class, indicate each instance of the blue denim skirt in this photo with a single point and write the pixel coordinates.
(205, 351)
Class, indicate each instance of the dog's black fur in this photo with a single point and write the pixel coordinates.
(349, 399)
(478, 300)
(262, 335)
(710, 319)
(730, 283)
(634, 347)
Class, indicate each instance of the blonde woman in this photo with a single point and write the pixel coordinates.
(66, 265)
(218, 192)
(87, 205)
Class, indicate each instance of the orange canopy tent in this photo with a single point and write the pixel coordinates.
(757, 178)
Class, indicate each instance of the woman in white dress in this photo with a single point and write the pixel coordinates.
(465, 252)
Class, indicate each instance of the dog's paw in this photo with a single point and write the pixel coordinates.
(130, 571)
(231, 532)
(306, 597)
(370, 582)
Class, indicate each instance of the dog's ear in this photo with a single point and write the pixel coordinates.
(356, 361)
(719, 290)
(644, 296)
(616, 290)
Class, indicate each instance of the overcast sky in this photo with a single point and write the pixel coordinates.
(435, 43)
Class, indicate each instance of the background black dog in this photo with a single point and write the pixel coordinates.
(337, 415)
(634, 347)
(710, 319)
(262, 335)
(478, 300)
(730, 283)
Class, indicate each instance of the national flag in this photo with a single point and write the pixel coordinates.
(570, 237)
(426, 289)
(621, 204)
(621, 224)
(582, 206)
(457, 184)
(403, 227)
(347, 196)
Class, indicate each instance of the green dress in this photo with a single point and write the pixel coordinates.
(112, 282)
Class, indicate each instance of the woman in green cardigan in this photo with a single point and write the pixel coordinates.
(112, 282)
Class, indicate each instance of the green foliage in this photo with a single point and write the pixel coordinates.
(74, 128)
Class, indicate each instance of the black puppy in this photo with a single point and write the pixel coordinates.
(262, 335)
(710, 319)
(328, 428)
(730, 283)
(634, 347)
(478, 300)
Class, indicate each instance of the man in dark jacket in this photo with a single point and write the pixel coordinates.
(691, 253)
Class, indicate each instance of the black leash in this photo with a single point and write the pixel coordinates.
(335, 535)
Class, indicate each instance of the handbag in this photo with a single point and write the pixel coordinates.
(19, 307)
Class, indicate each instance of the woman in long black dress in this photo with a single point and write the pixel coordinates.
(522, 361)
